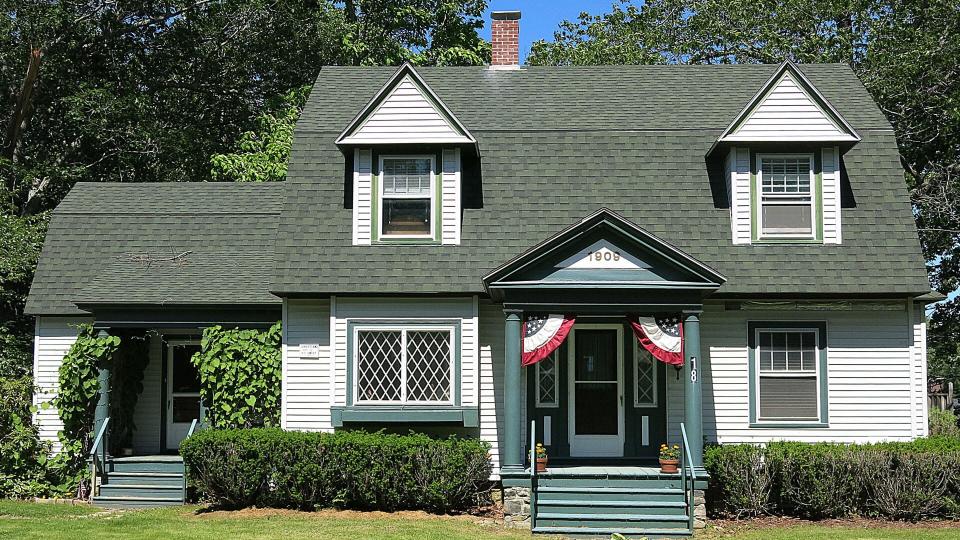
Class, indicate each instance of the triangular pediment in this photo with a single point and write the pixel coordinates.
(405, 110)
(604, 250)
(789, 108)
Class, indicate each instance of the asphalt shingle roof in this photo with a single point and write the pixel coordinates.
(560, 143)
(119, 243)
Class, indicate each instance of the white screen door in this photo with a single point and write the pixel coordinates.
(183, 392)
(596, 390)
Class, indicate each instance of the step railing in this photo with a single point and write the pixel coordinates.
(533, 474)
(686, 462)
(98, 459)
(193, 427)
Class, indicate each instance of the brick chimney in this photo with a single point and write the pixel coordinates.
(506, 38)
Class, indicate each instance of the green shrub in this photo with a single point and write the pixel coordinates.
(352, 469)
(897, 480)
(240, 372)
(943, 424)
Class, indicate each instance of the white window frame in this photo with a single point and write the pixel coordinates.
(404, 329)
(814, 218)
(434, 215)
(788, 374)
(637, 351)
(555, 356)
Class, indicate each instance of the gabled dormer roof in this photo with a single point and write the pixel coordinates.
(788, 107)
(405, 110)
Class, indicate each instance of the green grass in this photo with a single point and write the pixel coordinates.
(20, 520)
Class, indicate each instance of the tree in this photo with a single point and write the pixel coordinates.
(906, 52)
(151, 90)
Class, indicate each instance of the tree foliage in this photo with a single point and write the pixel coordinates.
(907, 53)
(240, 372)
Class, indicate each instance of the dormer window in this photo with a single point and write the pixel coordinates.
(407, 197)
(786, 187)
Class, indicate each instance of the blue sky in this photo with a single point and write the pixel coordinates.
(540, 18)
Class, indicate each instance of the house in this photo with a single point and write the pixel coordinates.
(613, 256)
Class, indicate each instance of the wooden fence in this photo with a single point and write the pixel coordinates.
(939, 395)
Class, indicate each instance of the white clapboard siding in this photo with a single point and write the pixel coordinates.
(407, 309)
(919, 362)
(306, 381)
(362, 195)
(873, 372)
(53, 337)
(406, 115)
(450, 207)
(491, 379)
(831, 195)
(147, 412)
(786, 113)
(738, 182)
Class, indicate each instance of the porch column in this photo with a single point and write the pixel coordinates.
(511, 457)
(103, 403)
(693, 399)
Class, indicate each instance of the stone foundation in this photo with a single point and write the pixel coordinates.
(516, 506)
(699, 509)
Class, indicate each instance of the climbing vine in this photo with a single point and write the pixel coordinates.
(126, 383)
(77, 394)
(240, 376)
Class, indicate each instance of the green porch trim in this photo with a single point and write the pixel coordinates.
(411, 324)
(822, 374)
(445, 414)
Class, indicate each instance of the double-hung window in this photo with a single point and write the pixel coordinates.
(407, 197)
(789, 373)
(786, 196)
(413, 365)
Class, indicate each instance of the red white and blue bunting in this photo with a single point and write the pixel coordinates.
(661, 336)
(542, 334)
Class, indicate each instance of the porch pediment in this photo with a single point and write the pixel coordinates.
(604, 250)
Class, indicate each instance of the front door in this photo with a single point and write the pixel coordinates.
(183, 392)
(596, 390)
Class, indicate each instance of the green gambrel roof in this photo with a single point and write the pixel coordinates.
(169, 243)
(557, 144)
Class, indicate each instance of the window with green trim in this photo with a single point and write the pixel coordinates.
(785, 183)
(405, 365)
(407, 197)
(547, 377)
(787, 385)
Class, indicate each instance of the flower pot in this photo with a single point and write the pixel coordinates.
(669, 466)
(541, 464)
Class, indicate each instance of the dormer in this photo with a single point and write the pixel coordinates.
(408, 151)
(782, 163)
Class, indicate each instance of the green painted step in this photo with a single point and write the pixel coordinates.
(612, 507)
(613, 521)
(135, 502)
(609, 482)
(605, 532)
(146, 465)
(149, 478)
(143, 490)
(610, 494)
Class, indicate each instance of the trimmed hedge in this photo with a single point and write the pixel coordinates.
(914, 480)
(351, 469)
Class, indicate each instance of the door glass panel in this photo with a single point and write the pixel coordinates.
(595, 382)
(596, 409)
(185, 377)
(186, 408)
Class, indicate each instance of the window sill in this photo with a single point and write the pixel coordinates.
(439, 414)
(773, 240)
(790, 425)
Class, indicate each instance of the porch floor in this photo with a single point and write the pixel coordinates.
(600, 471)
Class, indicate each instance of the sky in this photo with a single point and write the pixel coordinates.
(540, 18)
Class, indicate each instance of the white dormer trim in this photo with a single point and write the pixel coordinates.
(405, 110)
(788, 108)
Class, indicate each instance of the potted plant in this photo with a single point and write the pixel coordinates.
(541, 458)
(669, 458)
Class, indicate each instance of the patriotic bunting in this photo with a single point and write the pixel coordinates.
(542, 334)
(661, 336)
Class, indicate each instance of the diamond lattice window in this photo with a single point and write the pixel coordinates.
(404, 366)
(547, 382)
(645, 393)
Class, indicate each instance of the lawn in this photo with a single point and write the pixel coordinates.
(44, 521)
